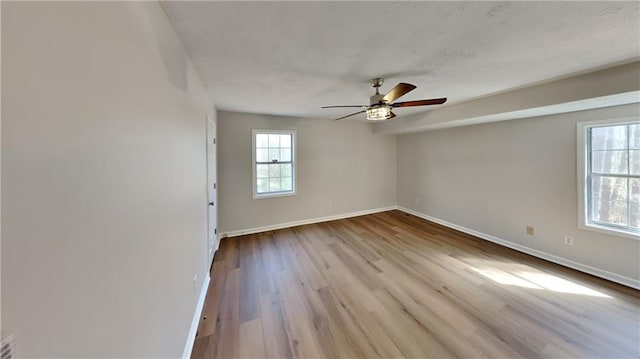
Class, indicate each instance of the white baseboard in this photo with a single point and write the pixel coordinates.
(186, 354)
(629, 282)
(306, 221)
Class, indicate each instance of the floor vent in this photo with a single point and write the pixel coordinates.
(7, 349)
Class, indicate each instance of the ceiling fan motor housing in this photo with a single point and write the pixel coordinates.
(376, 99)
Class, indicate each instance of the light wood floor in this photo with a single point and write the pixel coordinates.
(393, 285)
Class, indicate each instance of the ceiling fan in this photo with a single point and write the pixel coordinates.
(380, 106)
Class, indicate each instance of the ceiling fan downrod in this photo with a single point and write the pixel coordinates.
(377, 97)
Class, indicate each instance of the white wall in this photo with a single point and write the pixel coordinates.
(342, 168)
(498, 178)
(104, 205)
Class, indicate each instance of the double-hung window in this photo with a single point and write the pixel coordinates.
(274, 170)
(609, 176)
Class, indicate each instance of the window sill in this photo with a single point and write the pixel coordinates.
(274, 195)
(610, 231)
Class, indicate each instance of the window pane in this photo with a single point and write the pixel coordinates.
(285, 141)
(609, 162)
(634, 162)
(609, 188)
(634, 215)
(262, 155)
(285, 154)
(274, 184)
(262, 140)
(286, 184)
(634, 189)
(273, 177)
(285, 170)
(610, 211)
(609, 138)
(262, 171)
(274, 170)
(274, 140)
(634, 136)
(263, 185)
(274, 154)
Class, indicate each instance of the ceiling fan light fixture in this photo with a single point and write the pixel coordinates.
(379, 113)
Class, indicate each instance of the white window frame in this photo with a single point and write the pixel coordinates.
(254, 180)
(583, 166)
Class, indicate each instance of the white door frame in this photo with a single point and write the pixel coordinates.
(212, 208)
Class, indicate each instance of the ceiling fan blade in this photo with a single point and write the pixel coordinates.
(395, 93)
(353, 114)
(433, 101)
(360, 106)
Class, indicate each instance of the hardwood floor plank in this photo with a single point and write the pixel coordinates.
(276, 340)
(352, 341)
(202, 347)
(406, 343)
(298, 321)
(249, 282)
(226, 340)
(393, 285)
(356, 303)
(307, 272)
(251, 339)
(209, 320)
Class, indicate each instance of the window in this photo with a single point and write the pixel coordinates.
(274, 169)
(610, 176)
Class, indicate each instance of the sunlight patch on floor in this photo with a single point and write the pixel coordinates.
(560, 285)
(506, 278)
(537, 280)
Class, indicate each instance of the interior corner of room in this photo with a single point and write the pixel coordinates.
(127, 151)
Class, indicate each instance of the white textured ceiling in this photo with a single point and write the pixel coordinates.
(291, 58)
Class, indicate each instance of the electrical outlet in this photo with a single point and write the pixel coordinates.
(530, 230)
(416, 200)
(195, 282)
(568, 240)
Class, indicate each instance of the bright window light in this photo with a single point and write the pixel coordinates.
(274, 171)
(609, 177)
